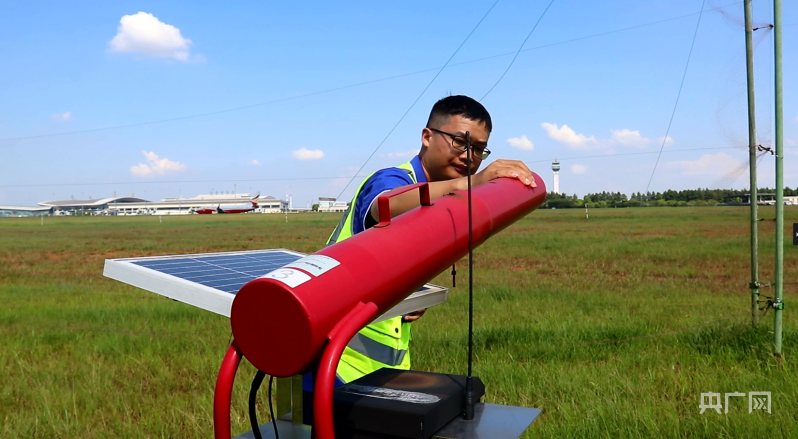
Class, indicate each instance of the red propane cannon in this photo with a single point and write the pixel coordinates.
(304, 314)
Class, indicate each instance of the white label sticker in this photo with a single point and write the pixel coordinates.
(393, 394)
(288, 276)
(315, 264)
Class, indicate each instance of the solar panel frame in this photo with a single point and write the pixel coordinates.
(216, 289)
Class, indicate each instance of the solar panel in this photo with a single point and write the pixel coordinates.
(211, 280)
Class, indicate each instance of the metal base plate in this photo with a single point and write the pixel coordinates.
(491, 421)
(287, 429)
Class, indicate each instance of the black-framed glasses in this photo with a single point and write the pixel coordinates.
(480, 151)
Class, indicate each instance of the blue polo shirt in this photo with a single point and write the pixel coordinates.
(384, 180)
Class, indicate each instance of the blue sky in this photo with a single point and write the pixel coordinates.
(334, 78)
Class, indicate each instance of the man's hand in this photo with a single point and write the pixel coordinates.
(500, 168)
(413, 316)
(506, 168)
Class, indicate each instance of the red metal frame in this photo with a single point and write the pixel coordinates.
(224, 392)
(338, 338)
(284, 326)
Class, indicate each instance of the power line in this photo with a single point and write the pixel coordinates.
(175, 181)
(678, 95)
(629, 153)
(254, 180)
(344, 87)
(517, 52)
(321, 217)
(418, 98)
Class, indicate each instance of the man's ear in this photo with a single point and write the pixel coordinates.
(426, 137)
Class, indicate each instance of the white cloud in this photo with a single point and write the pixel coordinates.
(156, 165)
(254, 163)
(568, 136)
(578, 169)
(63, 117)
(622, 137)
(308, 154)
(713, 165)
(796, 119)
(402, 154)
(521, 143)
(669, 141)
(144, 34)
(629, 137)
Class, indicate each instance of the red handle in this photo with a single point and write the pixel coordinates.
(384, 201)
(224, 392)
(338, 338)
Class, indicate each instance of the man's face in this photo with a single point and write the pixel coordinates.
(440, 160)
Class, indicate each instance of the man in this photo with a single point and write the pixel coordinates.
(442, 162)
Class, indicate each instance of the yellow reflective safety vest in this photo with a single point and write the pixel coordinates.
(378, 345)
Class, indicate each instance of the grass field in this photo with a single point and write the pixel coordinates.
(613, 326)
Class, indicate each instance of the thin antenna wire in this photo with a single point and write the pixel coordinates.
(470, 260)
(678, 95)
(469, 399)
(517, 52)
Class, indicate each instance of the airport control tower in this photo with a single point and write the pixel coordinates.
(555, 166)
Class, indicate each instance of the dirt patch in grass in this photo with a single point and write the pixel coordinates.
(55, 256)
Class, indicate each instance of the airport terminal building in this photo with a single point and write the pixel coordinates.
(22, 211)
(185, 206)
(140, 206)
(328, 204)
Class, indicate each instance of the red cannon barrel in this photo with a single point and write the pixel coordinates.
(281, 321)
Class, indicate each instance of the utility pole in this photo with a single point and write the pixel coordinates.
(749, 64)
(778, 304)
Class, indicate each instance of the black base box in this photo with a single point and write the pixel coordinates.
(392, 404)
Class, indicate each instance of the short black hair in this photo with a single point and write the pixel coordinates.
(458, 105)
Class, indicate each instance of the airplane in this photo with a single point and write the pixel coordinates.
(234, 209)
(204, 210)
(240, 209)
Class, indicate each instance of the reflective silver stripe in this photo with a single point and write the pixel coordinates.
(376, 350)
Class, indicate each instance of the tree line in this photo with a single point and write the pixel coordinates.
(670, 198)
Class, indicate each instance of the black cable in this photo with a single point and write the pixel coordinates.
(253, 412)
(253, 394)
(271, 409)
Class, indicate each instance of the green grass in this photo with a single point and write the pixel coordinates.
(613, 326)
